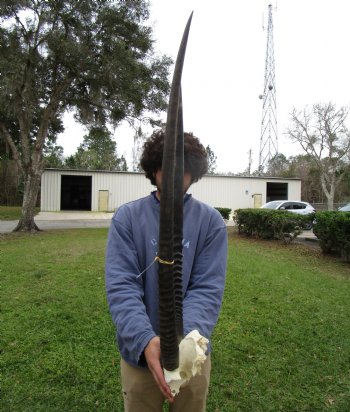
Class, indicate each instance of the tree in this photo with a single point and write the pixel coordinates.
(97, 152)
(323, 135)
(303, 167)
(211, 160)
(139, 140)
(10, 179)
(93, 57)
(278, 165)
(53, 155)
(343, 191)
(122, 166)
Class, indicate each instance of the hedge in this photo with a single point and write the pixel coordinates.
(225, 212)
(333, 232)
(271, 224)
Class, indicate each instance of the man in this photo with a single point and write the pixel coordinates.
(132, 282)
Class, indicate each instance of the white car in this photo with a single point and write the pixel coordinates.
(345, 208)
(295, 206)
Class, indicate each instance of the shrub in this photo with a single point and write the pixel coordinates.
(333, 232)
(270, 224)
(225, 212)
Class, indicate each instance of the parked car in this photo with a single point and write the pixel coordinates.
(345, 208)
(295, 206)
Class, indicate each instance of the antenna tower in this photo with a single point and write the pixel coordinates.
(268, 139)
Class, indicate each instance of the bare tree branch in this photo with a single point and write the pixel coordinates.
(323, 134)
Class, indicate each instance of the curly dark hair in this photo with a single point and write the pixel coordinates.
(195, 156)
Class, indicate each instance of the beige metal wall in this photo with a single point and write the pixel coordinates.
(238, 192)
(122, 187)
(218, 191)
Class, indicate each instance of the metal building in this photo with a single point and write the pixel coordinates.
(64, 189)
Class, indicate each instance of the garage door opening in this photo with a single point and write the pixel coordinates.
(76, 192)
(276, 191)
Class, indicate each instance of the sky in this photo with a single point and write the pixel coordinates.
(223, 73)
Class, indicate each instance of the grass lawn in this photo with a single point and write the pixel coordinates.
(282, 342)
(12, 212)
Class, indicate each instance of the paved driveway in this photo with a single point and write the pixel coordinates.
(63, 220)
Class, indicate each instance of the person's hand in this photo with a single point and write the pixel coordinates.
(152, 355)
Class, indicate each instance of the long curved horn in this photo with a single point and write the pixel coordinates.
(178, 222)
(173, 134)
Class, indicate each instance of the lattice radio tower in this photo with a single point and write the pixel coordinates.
(268, 139)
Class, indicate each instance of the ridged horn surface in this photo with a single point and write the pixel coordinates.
(178, 222)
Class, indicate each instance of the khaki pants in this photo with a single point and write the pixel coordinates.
(141, 393)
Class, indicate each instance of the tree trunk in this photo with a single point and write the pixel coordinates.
(31, 190)
(328, 190)
(330, 202)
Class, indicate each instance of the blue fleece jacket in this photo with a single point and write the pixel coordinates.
(132, 273)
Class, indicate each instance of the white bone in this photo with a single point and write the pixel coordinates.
(192, 350)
